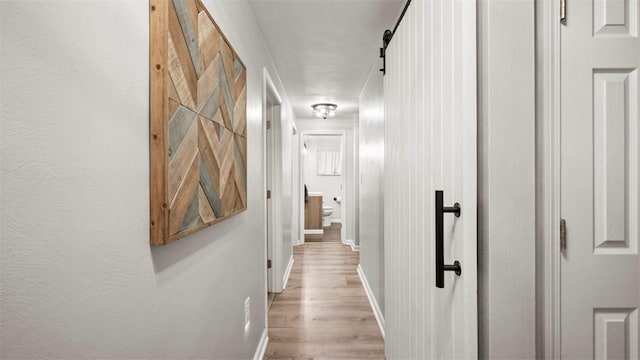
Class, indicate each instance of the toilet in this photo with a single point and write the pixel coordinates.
(326, 215)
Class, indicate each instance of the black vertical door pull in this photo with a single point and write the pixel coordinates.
(440, 265)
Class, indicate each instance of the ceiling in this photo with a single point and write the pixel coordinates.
(324, 49)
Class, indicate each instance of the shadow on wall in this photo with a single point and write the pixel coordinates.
(175, 253)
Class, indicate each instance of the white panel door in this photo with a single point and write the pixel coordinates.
(430, 145)
(600, 272)
(270, 187)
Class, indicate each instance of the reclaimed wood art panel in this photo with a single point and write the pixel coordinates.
(198, 122)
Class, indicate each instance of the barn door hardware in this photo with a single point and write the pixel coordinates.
(441, 267)
(387, 36)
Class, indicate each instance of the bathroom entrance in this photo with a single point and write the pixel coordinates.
(323, 177)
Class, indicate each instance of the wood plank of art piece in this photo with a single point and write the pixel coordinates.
(198, 122)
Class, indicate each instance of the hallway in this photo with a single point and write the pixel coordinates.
(324, 311)
(320, 179)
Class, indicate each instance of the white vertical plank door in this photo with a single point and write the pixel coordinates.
(430, 144)
(600, 191)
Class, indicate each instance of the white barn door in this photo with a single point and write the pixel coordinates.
(430, 145)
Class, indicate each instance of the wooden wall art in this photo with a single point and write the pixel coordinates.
(198, 144)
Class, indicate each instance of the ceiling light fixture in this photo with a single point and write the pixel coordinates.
(324, 110)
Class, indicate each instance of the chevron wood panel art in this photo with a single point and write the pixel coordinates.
(198, 122)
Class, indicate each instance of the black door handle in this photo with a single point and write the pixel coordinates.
(440, 265)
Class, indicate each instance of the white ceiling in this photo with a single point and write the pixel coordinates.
(324, 49)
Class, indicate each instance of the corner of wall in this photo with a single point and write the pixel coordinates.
(506, 178)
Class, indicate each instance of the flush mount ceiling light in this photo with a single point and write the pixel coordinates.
(324, 110)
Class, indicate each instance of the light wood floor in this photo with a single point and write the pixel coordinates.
(324, 312)
(331, 233)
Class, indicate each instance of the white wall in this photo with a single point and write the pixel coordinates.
(506, 213)
(348, 205)
(78, 278)
(329, 186)
(371, 215)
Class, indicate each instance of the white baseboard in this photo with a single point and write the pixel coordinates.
(313, 232)
(262, 346)
(287, 272)
(353, 245)
(372, 300)
(336, 221)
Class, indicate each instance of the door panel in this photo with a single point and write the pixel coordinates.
(612, 99)
(600, 272)
(269, 175)
(430, 144)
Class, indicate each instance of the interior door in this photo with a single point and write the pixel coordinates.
(600, 272)
(269, 175)
(430, 145)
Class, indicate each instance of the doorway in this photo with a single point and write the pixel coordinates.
(323, 177)
(272, 115)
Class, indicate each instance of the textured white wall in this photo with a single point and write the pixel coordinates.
(506, 188)
(371, 152)
(78, 278)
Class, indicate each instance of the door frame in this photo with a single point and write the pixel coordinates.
(296, 191)
(273, 232)
(345, 201)
(548, 106)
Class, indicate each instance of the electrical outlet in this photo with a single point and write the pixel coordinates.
(247, 313)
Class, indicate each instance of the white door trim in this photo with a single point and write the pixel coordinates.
(345, 199)
(269, 90)
(297, 190)
(548, 154)
(300, 175)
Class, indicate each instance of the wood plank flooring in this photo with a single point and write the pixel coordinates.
(331, 233)
(324, 312)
